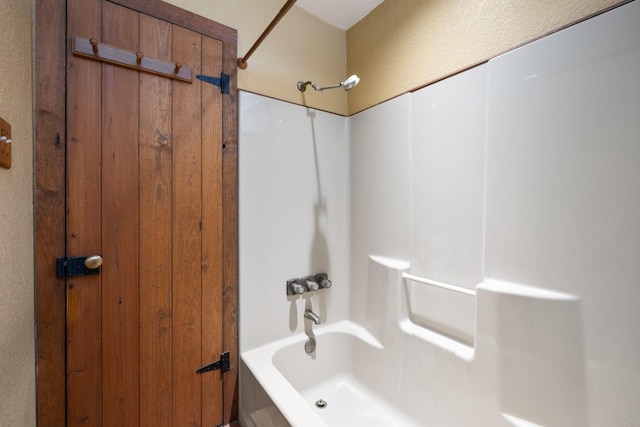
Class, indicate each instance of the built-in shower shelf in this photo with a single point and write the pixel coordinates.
(454, 346)
(446, 310)
(437, 284)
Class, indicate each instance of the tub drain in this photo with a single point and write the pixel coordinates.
(321, 404)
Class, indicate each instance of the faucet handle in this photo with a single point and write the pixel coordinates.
(294, 287)
(323, 280)
(310, 283)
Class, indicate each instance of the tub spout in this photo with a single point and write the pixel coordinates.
(311, 315)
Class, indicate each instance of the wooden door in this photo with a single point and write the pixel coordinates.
(144, 189)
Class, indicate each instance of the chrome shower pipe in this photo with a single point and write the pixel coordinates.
(302, 86)
(348, 84)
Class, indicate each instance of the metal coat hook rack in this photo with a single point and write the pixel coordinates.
(5, 144)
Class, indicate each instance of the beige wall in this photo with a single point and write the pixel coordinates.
(301, 47)
(17, 375)
(405, 44)
(400, 46)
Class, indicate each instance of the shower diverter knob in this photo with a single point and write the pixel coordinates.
(294, 287)
(323, 280)
(310, 283)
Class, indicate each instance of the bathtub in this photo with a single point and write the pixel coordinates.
(336, 376)
(521, 368)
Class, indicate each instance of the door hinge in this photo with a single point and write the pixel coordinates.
(223, 364)
(222, 81)
(74, 267)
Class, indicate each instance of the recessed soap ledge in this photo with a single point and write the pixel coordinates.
(516, 289)
(490, 301)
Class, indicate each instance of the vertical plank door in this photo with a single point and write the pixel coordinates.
(144, 191)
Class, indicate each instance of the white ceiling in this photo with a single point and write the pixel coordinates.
(339, 13)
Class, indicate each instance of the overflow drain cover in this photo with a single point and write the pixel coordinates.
(321, 403)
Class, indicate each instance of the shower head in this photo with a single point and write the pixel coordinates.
(351, 82)
(348, 84)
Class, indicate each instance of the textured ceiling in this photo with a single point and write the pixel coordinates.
(339, 13)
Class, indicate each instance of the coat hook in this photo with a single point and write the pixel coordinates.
(139, 57)
(94, 43)
(178, 66)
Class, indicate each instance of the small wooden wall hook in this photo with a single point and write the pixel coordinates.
(177, 69)
(5, 144)
(139, 57)
(94, 43)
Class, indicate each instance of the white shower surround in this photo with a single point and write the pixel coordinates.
(409, 376)
(525, 169)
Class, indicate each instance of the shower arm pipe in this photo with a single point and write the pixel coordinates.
(242, 62)
(302, 86)
(321, 88)
(425, 281)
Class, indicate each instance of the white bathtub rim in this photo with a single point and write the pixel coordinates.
(285, 397)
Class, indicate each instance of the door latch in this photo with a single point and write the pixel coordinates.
(78, 266)
(223, 364)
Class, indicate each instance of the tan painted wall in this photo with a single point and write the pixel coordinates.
(400, 46)
(405, 44)
(301, 47)
(17, 375)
